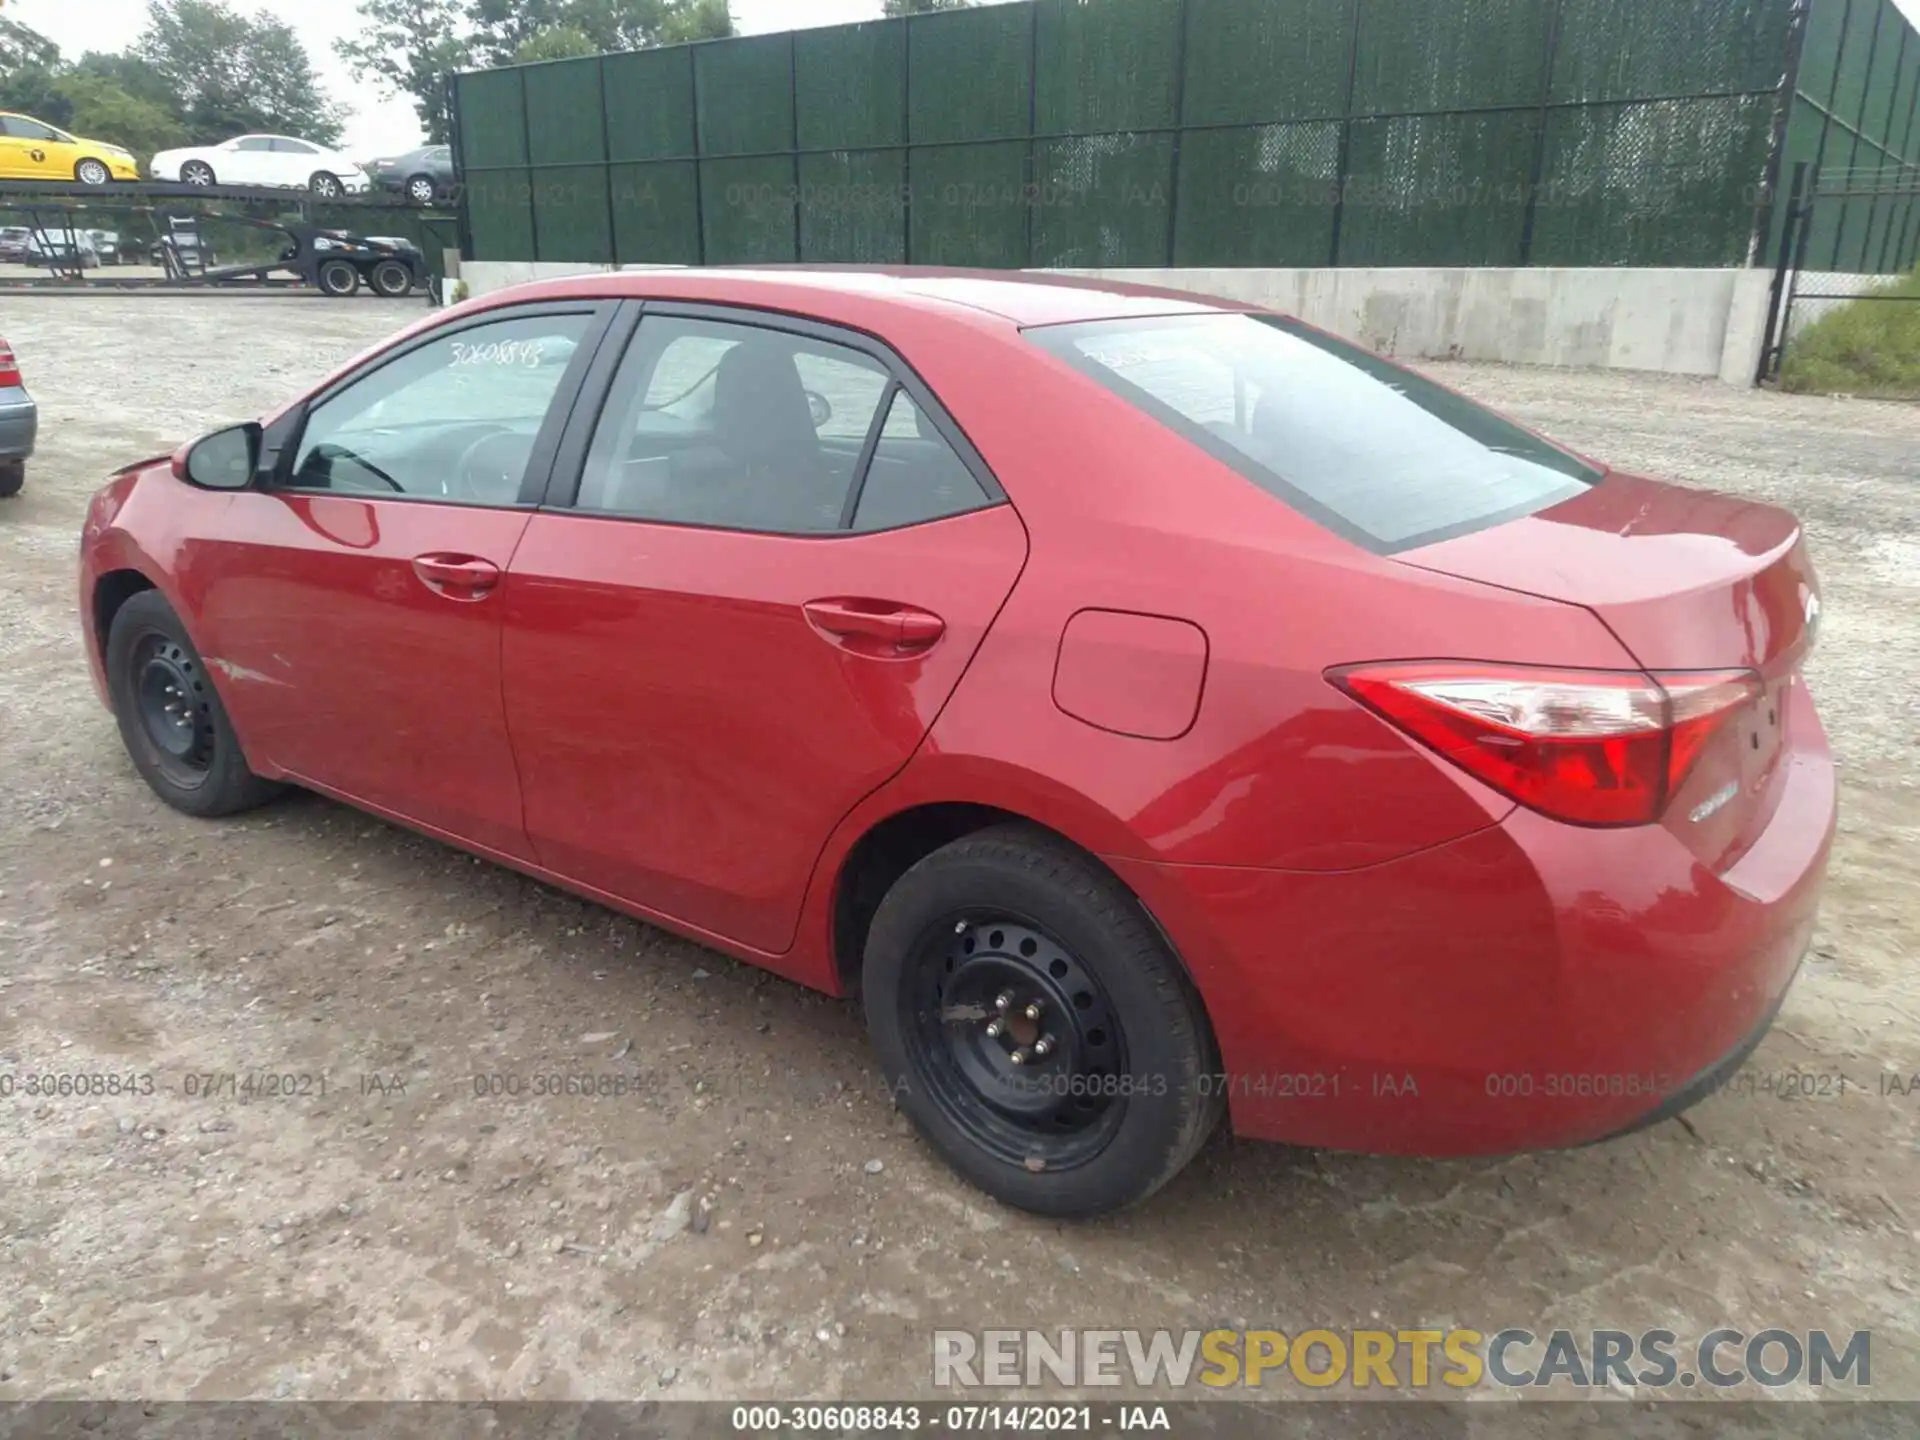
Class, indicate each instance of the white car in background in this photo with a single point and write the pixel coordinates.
(279, 160)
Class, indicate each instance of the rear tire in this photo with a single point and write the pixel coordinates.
(196, 172)
(421, 190)
(325, 186)
(171, 719)
(390, 279)
(92, 172)
(13, 474)
(337, 278)
(1120, 1097)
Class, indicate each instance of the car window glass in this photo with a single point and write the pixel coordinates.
(254, 145)
(733, 426)
(455, 419)
(30, 129)
(294, 147)
(915, 475)
(1362, 446)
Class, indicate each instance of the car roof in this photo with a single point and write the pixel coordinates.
(1020, 297)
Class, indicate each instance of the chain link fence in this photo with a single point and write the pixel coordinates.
(1082, 133)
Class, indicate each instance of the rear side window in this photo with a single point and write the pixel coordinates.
(744, 427)
(1374, 452)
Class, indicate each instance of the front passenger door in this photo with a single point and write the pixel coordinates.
(28, 150)
(354, 604)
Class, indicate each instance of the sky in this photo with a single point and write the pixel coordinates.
(380, 125)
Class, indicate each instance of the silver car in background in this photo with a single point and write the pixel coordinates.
(19, 421)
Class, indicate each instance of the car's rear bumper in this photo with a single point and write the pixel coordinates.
(1530, 985)
(19, 424)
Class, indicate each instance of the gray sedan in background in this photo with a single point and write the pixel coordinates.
(423, 176)
(19, 420)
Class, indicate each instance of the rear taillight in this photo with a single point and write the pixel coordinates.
(1594, 747)
(9, 367)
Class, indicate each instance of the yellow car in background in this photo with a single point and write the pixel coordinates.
(31, 149)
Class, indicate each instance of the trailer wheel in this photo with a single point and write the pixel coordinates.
(390, 279)
(337, 278)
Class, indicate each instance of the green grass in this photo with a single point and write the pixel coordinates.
(1866, 347)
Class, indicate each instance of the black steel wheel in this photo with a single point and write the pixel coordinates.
(1023, 1051)
(1034, 1026)
(170, 715)
(171, 698)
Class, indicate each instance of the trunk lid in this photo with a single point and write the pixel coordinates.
(1687, 580)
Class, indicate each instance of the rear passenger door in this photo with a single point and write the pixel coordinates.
(771, 558)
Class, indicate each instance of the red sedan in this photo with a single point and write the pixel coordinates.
(1151, 706)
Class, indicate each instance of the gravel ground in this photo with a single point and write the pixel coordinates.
(399, 1236)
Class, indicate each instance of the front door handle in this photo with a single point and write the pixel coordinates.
(876, 627)
(458, 577)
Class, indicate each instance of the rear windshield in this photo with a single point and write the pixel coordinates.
(1373, 452)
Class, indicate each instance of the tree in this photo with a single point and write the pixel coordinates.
(409, 47)
(102, 107)
(697, 20)
(894, 9)
(502, 27)
(233, 73)
(562, 42)
(20, 46)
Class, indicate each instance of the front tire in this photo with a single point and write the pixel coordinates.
(171, 719)
(421, 190)
(196, 172)
(325, 186)
(1010, 941)
(92, 172)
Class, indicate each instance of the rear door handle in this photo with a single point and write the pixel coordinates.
(900, 629)
(458, 577)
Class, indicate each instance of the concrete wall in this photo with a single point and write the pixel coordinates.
(1680, 322)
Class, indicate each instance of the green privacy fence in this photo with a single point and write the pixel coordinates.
(1164, 132)
(1855, 122)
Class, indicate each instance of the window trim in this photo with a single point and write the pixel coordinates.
(600, 315)
(568, 472)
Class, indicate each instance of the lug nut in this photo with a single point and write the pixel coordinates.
(1033, 1011)
(959, 927)
(1018, 1057)
(994, 1028)
(1003, 1001)
(1043, 1047)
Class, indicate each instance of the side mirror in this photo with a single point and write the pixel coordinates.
(224, 460)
